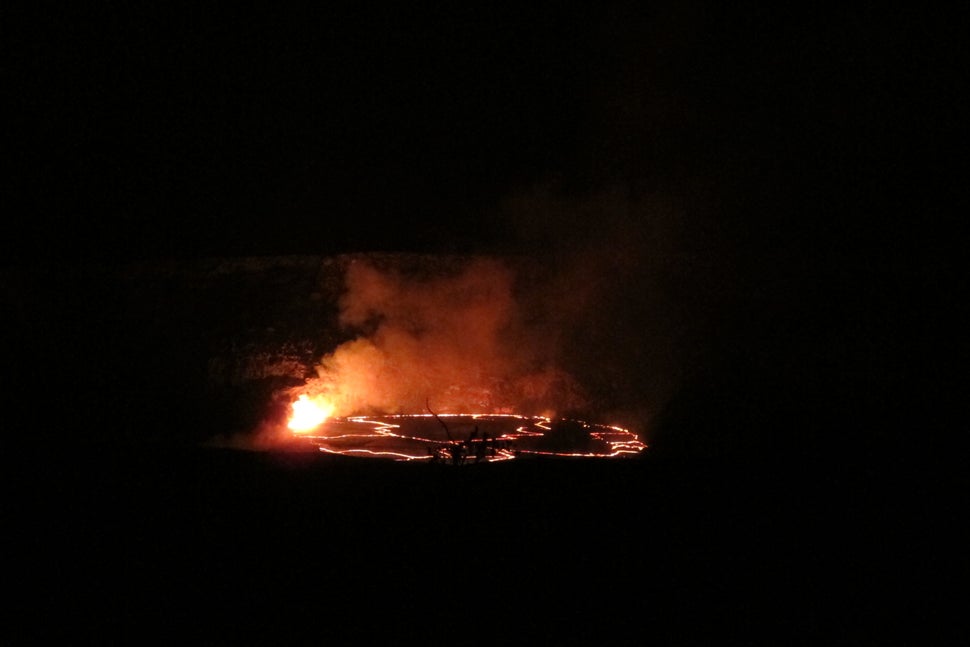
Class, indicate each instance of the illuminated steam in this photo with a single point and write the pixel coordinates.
(456, 341)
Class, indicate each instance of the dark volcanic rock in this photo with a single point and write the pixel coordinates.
(172, 350)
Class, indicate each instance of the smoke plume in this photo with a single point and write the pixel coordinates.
(455, 339)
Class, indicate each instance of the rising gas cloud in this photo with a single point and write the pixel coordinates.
(455, 340)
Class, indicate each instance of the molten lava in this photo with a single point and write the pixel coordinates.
(456, 439)
(308, 414)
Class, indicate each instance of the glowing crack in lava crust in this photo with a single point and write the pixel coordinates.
(457, 439)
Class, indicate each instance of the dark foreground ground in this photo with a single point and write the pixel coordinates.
(117, 544)
(786, 499)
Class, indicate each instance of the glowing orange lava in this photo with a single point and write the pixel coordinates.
(308, 414)
(456, 439)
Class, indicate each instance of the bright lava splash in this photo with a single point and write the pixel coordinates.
(460, 439)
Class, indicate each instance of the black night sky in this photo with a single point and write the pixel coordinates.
(171, 133)
(774, 147)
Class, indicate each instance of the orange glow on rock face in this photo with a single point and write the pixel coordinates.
(308, 414)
